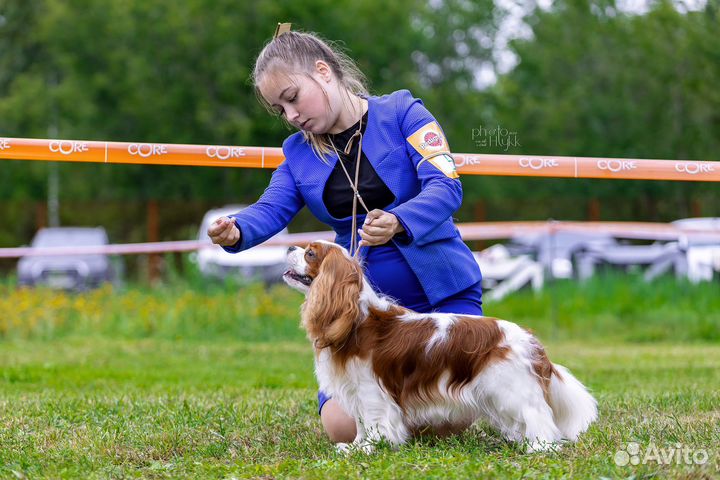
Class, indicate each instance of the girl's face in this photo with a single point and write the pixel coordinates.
(311, 103)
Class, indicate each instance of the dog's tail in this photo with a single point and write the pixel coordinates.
(574, 409)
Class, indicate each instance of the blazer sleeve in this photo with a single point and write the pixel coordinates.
(277, 206)
(440, 195)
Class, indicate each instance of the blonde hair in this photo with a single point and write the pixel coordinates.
(297, 52)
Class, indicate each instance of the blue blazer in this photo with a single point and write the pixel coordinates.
(425, 197)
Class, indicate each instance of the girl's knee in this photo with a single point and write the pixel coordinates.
(339, 426)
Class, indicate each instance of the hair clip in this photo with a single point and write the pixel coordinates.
(281, 28)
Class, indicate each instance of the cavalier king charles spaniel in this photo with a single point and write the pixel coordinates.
(397, 372)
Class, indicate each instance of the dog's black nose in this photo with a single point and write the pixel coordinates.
(292, 249)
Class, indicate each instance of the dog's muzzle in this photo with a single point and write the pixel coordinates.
(304, 279)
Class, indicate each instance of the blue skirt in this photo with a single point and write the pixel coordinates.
(389, 273)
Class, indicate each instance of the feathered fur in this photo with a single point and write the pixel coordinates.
(397, 371)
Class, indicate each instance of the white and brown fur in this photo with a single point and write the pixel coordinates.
(397, 371)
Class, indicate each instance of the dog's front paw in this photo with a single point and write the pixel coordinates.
(344, 448)
(365, 446)
(542, 446)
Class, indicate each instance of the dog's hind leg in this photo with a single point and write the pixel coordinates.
(512, 401)
(541, 433)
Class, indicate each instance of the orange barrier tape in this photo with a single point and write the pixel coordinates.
(139, 153)
(588, 167)
(271, 157)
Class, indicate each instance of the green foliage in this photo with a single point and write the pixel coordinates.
(178, 72)
(615, 306)
(602, 83)
(247, 312)
(607, 307)
(593, 81)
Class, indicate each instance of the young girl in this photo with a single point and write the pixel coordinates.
(392, 152)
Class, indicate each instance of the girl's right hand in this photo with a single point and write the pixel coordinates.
(224, 232)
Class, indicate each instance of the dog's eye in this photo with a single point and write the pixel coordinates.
(310, 254)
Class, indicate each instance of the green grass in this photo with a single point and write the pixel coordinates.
(215, 381)
(103, 408)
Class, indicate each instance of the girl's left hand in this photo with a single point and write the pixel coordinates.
(379, 227)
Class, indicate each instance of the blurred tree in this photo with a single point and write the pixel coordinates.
(148, 70)
(593, 81)
(25, 105)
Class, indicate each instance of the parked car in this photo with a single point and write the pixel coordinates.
(67, 272)
(262, 263)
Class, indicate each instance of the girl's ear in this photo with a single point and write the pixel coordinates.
(333, 302)
(323, 69)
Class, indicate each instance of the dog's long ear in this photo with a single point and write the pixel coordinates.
(332, 306)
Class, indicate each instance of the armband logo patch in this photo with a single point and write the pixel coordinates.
(445, 164)
(428, 139)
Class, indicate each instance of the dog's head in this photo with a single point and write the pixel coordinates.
(331, 280)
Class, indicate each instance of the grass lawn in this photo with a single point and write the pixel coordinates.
(84, 406)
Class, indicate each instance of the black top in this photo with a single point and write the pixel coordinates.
(338, 195)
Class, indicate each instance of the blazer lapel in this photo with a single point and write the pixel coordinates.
(378, 144)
